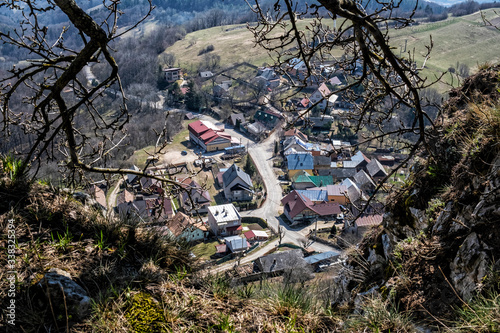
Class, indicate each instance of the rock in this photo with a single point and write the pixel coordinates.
(469, 267)
(443, 218)
(65, 295)
(419, 218)
(387, 246)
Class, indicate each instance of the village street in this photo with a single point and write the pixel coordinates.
(262, 154)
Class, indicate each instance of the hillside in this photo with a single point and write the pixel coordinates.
(421, 270)
(456, 39)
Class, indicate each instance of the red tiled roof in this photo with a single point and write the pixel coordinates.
(369, 220)
(208, 135)
(198, 127)
(249, 234)
(297, 203)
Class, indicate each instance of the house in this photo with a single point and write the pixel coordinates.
(296, 67)
(98, 192)
(316, 195)
(146, 208)
(362, 224)
(376, 170)
(193, 193)
(256, 129)
(183, 227)
(256, 235)
(206, 74)
(221, 89)
(321, 162)
(302, 181)
(338, 174)
(125, 196)
(298, 162)
(208, 136)
(237, 119)
(224, 220)
(172, 74)
(300, 208)
(270, 78)
(132, 178)
(322, 97)
(280, 262)
(236, 244)
(337, 193)
(295, 132)
(364, 181)
(268, 117)
(322, 258)
(353, 192)
(151, 185)
(324, 121)
(237, 184)
(362, 159)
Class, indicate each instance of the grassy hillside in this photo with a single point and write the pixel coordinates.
(464, 39)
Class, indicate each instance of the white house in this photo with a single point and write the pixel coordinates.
(224, 220)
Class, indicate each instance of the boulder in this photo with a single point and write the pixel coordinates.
(64, 294)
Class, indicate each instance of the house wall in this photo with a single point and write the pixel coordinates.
(192, 235)
(219, 146)
(342, 200)
(236, 195)
(302, 186)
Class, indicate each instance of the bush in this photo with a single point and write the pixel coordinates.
(207, 49)
(252, 219)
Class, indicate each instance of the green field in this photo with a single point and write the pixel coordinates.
(464, 39)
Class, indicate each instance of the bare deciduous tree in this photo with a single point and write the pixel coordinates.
(379, 83)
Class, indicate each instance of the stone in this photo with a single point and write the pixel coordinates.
(443, 218)
(64, 294)
(469, 267)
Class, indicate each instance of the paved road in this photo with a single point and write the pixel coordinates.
(262, 155)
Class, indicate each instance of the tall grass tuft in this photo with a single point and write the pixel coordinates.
(482, 314)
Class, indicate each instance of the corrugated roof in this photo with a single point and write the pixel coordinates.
(300, 162)
(314, 195)
(336, 190)
(321, 256)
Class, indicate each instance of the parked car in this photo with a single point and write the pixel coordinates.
(184, 152)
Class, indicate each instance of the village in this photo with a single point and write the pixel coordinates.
(255, 196)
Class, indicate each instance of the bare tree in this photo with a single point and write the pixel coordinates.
(47, 96)
(281, 233)
(379, 83)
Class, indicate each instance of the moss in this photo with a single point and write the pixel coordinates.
(145, 315)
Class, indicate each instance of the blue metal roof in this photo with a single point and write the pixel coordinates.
(314, 195)
(300, 162)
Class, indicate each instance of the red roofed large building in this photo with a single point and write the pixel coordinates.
(208, 136)
(299, 208)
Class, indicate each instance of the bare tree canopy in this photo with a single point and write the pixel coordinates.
(47, 96)
(343, 36)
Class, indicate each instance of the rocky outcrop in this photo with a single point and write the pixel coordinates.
(439, 240)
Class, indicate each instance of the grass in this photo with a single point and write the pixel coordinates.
(179, 143)
(204, 250)
(455, 39)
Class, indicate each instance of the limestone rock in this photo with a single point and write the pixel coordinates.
(64, 294)
(469, 266)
